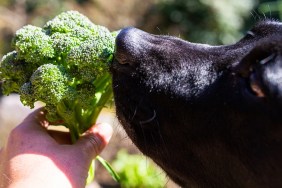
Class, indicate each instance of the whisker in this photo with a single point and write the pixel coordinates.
(134, 114)
(135, 111)
(148, 120)
(267, 59)
(165, 151)
(269, 11)
(124, 138)
(145, 141)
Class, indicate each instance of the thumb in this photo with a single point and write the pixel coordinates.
(95, 139)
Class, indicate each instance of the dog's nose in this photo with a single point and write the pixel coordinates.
(129, 45)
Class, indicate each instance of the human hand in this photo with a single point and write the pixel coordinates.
(36, 157)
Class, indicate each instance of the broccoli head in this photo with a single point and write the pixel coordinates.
(64, 64)
(33, 45)
(14, 72)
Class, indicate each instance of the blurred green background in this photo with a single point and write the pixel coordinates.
(204, 21)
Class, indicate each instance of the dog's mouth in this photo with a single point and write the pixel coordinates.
(153, 78)
(128, 90)
(138, 55)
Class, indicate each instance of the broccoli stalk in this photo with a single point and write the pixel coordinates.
(64, 65)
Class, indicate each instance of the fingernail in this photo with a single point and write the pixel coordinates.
(104, 130)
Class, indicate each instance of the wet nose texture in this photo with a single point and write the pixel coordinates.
(129, 45)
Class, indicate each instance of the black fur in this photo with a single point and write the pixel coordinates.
(210, 116)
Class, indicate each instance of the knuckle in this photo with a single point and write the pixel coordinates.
(93, 145)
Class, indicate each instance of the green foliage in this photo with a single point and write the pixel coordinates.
(65, 65)
(204, 21)
(136, 171)
(270, 8)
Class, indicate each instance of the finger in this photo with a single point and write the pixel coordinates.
(95, 140)
(35, 118)
(38, 116)
(34, 126)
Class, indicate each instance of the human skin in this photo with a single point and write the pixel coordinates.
(37, 157)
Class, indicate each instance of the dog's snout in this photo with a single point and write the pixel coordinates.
(129, 45)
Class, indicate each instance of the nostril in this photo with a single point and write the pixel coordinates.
(121, 58)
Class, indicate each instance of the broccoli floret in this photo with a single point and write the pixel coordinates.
(53, 76)
(13, 72)
(33, 45)
(64, 65)
(62, 44)
(70, 22)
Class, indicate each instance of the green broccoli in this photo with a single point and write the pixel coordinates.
(64, 65)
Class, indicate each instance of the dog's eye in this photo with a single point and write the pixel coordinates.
(250, 34)
(255, 81)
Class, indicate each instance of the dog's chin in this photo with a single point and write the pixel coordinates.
(148, 121)
(133, 107)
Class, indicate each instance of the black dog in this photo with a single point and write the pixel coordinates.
(210, 116)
